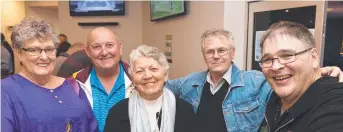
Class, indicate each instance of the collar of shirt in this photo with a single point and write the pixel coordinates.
(96, 83)
(226, 77)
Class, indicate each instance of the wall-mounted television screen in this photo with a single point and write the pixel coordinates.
(160, 10)
(97, 8)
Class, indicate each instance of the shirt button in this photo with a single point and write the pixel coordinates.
(55, 96)
(60, 102)
(51, 91)
(246, 108)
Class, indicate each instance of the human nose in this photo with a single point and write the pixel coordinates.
(216, 54)
(276, 65)
(147, 75)
(104, 50)
(43, 54)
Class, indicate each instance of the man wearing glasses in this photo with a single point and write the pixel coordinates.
(224, 98)
(303, 100)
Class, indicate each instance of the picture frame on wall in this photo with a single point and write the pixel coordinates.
(161, 10)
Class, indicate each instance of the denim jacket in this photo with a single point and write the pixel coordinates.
(244, 104)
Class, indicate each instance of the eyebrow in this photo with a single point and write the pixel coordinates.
(279, 51)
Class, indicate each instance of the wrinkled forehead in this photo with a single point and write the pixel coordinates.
(41, 41)
(145, 62)
(215, 41)
(277, 43)
(101, 37)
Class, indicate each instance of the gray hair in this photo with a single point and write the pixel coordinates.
(290, 29)
(31, 28)
(220, 33)
(150, 52)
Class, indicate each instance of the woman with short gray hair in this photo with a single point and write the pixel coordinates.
(150, 107)
(34, 100)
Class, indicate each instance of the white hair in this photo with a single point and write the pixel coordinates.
(150, 52)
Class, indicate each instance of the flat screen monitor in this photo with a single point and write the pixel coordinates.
(160, 10)
(97, 8)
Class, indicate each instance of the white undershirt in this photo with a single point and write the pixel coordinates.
(226, 77)
(152, 107)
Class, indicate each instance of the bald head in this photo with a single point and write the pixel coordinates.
(104, 49)
(101, 32)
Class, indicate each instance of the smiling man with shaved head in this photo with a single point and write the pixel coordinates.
(106, 82)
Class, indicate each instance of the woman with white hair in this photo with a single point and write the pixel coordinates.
(150, 107)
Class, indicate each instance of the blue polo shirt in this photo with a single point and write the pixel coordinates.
(102, 101)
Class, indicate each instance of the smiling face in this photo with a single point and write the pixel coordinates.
(103, 48)
(149, 77)
(292, 79)
(38, 64)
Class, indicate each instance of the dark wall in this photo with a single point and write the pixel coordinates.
(333, 42)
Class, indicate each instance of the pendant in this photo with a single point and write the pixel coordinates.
(68, 126)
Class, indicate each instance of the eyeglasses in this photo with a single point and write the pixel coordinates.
(283, 58)
(221, 52)
(38, 51)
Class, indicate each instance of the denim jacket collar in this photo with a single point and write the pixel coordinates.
(236, 79)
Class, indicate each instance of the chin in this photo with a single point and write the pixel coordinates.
(282, 92)
(218, 70)
(43, 73)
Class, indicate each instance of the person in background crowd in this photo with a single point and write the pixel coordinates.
(34, 100)
(151, 107)
(64, 44)
(7, 58)
(106, 82)
(303, 100)
(74, 63)
(63, 56)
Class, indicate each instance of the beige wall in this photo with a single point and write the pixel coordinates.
(45, 13)
(12, 12)
(42, 3)
(186, 31)
(129, 29)
(235, 20)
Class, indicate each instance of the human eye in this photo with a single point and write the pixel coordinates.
(222, 50)
(154, 69)
(50, 49)
(266, 60)
(286, 56)
(96, 47)
(34, 50)
(209, 52)
(139, 72)
(110, 45)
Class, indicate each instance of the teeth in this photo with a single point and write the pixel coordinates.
(282, 77)
(43, 65)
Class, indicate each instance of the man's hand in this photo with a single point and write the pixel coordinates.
(333, 71)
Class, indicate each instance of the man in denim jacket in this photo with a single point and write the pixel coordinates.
(231, 99)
